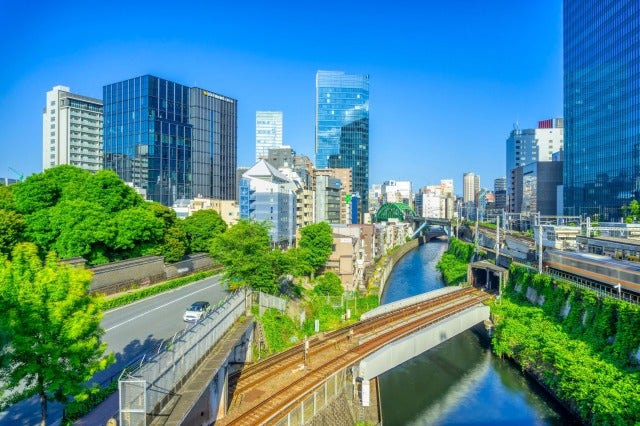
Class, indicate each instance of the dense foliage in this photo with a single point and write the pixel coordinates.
(453, 263)
(580, 345)
(98, 217)
(201, 228)
(329, 284)
(51, 327)
(316, 242)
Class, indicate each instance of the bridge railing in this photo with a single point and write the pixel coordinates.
(163, 372)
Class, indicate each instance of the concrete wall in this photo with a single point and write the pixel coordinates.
(381, 275)
(118, 276)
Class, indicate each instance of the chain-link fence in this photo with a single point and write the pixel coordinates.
(165, 372)
(266, 301)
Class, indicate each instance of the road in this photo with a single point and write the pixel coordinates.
(130, 332)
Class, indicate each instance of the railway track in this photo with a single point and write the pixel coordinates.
(332, 353)
(254, 374)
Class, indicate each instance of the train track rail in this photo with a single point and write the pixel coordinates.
(284, 385)
(254, 374)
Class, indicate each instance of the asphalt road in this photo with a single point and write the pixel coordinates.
(131, 331)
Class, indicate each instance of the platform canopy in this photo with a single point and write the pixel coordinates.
(394, 210)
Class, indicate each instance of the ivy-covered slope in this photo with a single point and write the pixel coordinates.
(583, 347)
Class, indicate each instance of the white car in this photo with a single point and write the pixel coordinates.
(196, 311)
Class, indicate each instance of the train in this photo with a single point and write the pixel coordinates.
(595, 267)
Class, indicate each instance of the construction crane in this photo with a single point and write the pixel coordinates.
(18, 173)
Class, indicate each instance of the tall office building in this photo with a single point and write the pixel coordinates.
(500, 191)
(601, 106)
(268, 132)
(342, 127)
(71, 130)
(170, 141)
(525, 146)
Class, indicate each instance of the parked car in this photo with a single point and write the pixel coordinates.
(196, 311)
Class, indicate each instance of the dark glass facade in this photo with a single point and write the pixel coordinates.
(170, 140)
(342, 127)
(602, 106)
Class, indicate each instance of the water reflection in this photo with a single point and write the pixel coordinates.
(459, 381)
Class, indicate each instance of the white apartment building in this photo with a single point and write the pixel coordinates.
(268, 132)
(71, 130)
(395, 191)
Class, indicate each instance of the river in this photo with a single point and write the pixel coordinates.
(460, 381)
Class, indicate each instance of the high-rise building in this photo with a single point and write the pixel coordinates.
(342, 127)
(601, 106)
(470, 187)
(268, 132)
(170, 141)
(500, 191)
(525, 146)
(71, 130)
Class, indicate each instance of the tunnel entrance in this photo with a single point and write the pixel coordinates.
(487, 276)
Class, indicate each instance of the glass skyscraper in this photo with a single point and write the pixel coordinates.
(602, 106)
(268, 132)
(170, 141)
(342, 127)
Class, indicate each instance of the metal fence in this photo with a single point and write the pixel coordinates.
(266, 301)
(166, 371)
(302, 411)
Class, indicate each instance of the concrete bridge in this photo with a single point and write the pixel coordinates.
(430, 227)
(320, 372)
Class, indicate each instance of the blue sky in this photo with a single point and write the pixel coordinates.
(448, 80)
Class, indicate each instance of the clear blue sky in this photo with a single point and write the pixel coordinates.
(448, 80)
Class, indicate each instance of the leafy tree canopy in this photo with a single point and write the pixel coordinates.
(106, 189)
(245, 252)
(317, 240)
(329, 284)
(201, 228)
(53, 324)
(7, 200)
(12, 225)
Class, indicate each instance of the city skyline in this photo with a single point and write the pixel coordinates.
(444, 78)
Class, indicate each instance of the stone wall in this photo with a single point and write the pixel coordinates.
(383, 271)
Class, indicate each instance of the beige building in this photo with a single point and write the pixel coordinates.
(228, 210)
(342, 261)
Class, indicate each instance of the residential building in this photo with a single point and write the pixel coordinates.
(71, 130)
(327, 202)
(342, 127)
(170, 140)
(268, 195)
(470, 187)
(601, 106)
(395, 191)
(281, 157)
(229, 210)
(268, 132)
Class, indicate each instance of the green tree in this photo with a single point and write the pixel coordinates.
(317, 241)
(201, 228)
(106, 189)
(175, 245)
(329, 284)
(54, 326)
(245, 253)
(12, 225)
(139, 232)
(7, 200)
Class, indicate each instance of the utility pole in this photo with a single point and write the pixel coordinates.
(497, 240)
(540, 244)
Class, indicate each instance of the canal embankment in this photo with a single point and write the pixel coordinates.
(582, 347)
